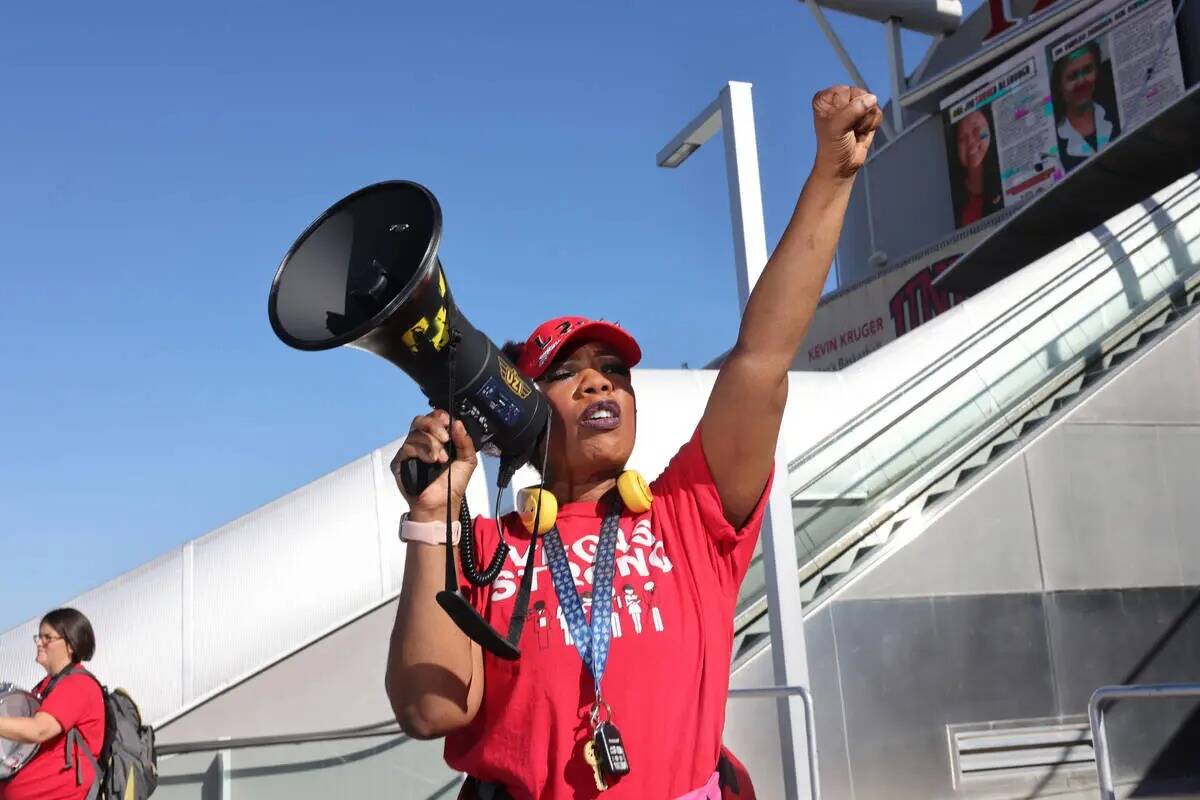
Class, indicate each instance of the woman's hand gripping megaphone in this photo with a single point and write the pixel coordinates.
(432, 441)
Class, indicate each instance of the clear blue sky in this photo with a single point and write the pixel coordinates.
(158, 159)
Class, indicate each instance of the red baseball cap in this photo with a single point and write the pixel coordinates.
(550, 337)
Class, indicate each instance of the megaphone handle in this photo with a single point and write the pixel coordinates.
(416, 475)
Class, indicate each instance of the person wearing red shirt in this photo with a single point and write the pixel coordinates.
(70, 699)
(642, 599)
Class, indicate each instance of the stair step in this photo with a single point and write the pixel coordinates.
(933, 498)
(966, 474)
(1093, 377)
(999, 449)
(1031, 424)
(1121, 356)
(1061, 403)
(1149, 336)
(840, 565)
(863, 552)
(825, 582)
(809, 589)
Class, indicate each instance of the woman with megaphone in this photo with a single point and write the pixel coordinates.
(623, 675)
(71, 704)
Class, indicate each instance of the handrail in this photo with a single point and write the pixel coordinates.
(386, 728)
(1105, 695)
(810, 723)
(1017, 307)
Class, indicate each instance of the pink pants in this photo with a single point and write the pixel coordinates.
(709, 791)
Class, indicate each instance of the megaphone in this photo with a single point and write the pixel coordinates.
(366, 274)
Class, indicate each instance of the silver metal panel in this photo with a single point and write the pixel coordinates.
(927, 16)
(854, 246)
(910, 667)
(983, 544)
(827, 700)
(1179, 448)
(321, 542)
(916, 159)
(1161, 387)
(187, 777)
(1132, 636)
(1100, 509)
(967, 41)
(319, 688)
(752, 727)
(387, 767)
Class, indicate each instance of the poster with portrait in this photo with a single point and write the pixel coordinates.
(1115, 66)
(1000, 144)
(1021, 127)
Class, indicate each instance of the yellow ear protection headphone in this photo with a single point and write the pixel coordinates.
(634, 491)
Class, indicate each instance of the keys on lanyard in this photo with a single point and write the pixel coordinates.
(605, 752)
(611, 752)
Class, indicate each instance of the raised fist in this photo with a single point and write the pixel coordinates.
(845, 119)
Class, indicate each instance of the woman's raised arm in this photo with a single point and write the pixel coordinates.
(742, 419)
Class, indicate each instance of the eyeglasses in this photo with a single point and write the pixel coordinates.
(45, 640)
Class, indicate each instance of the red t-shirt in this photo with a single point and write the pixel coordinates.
(678, 569)
(973, 210)
(76, 702)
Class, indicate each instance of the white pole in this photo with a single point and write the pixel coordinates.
(788, 652)
(745, 192)
(896, 67)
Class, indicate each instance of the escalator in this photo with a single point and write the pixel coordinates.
(1059, 328)
(1002, 370)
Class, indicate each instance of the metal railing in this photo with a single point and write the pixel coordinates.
(390, 728)
(810, 724)
(1106, 695)
(386, 728)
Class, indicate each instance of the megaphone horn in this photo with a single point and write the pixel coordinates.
(366, 274)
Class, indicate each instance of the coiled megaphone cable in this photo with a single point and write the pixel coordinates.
(452, 599)
(467, 539)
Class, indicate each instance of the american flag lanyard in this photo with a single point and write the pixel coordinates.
(593, 644)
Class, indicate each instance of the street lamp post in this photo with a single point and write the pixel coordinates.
(733, 112)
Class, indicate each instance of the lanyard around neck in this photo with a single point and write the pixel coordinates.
(592, 641)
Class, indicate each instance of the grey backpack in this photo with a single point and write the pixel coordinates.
(127, 767)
